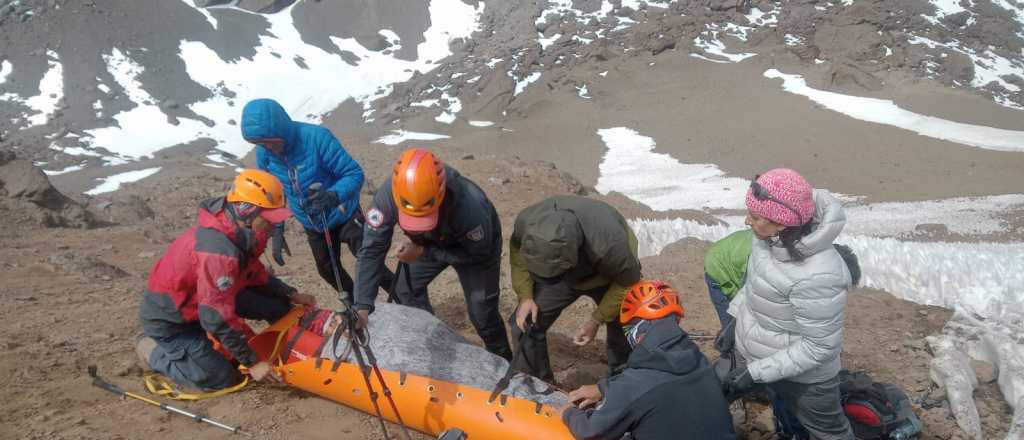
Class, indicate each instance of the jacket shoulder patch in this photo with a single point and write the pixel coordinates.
(375, 218)
(224, 283)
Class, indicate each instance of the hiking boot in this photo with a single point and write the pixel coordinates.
(144, 346)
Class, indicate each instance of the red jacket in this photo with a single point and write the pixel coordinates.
(199, 277)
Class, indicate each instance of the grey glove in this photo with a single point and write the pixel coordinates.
(278, 243)
(738, 383)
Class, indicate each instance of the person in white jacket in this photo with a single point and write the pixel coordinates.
(789, 312)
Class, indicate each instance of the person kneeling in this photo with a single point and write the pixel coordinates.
(666, 391)
(208, 281)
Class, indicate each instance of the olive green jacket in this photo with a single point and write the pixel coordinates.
(587, 240)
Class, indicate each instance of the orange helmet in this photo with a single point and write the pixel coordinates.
(649, 300)
(418, 187)
(261, 189)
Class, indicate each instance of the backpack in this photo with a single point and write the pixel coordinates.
(877, 410)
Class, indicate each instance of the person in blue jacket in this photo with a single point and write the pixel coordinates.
(321, 182)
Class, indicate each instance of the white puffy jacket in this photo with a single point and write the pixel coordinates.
(789, 315)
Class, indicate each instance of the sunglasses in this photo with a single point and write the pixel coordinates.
(761, 193)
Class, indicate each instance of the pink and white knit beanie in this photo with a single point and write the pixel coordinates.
(788, 186)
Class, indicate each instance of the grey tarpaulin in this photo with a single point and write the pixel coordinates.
(414, 341)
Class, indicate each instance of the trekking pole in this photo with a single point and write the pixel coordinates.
(100, 383)
(353, 334)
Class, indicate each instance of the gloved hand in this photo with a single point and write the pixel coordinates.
(278, 243)
(322, 201)
(738, 383)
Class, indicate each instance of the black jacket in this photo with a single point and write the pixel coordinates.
(468, 232)
(667, 391)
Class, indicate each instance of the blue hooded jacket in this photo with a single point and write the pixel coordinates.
(311, 155)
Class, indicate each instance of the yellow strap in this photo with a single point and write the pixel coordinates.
(159, 385)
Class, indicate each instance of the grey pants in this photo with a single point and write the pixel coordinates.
(816, 406)
(480, 287)
(185, 355)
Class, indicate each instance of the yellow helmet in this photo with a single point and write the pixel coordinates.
(260, 188)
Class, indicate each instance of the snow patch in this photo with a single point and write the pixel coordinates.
(989, 67)
(144, 129)
(886, 112)
(547, 42)
(114, 182)
(5, 69)
(391, 37)
(425, 103)
(311, 92)
(206, 13)
(631, 167)
(995, 342)
(399, 136)
(757, 17)
(51, 91)
(980, 277)
(522, 84)
(583, 92)
(964, 215)
(63, 171)
(654, 235)
(709, 41)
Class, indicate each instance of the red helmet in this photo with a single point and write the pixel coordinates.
(649, 300)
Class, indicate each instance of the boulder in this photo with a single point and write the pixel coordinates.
(27, 188)
(846, 76)
(959, 67)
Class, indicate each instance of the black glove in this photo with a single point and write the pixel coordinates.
(738, 383)
(322, 201)
(277, 244)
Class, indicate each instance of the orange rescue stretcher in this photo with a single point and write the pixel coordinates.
(426, 405)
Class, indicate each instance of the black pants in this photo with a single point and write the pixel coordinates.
(480, 288)
(551, 300)
(350, 233)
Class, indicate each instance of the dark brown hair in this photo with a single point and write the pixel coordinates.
(789, 238)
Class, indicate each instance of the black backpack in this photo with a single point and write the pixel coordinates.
(877, 410)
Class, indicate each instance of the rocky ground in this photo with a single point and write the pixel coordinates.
(73, 265)
(70, 295)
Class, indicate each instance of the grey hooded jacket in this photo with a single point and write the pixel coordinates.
(667, 391)
(789, 315)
